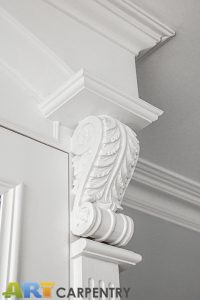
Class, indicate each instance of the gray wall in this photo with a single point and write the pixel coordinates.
(170, 269)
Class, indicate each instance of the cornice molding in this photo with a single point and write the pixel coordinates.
(85, 94)
(63, 95)
(167, 181)
(120, 21)
(165, 194)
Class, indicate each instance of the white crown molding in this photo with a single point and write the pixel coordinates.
(60, 91)
(93, 97)
(165, 194)
(120, 21)
(167, 181)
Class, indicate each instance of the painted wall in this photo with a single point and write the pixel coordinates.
(171, 260)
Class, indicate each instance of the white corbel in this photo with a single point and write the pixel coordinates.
(105, 155)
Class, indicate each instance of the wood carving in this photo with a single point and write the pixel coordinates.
(105, 155)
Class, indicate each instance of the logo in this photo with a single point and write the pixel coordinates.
(48, 289)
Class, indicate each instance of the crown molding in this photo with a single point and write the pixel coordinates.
(167, 181)
(85, 94)
(63, 95)
(164, 194)
(120, 21)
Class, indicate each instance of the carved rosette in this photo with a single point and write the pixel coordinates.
(105, 155)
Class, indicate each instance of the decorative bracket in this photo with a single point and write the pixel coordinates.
(105, 155)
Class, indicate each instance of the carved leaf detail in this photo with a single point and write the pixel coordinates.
(103, 170)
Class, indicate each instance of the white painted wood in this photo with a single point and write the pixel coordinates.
(105, 155)
(122, 257)
(34, 237)
(52, 80)
(29, 71)
(10, 228)
(19, 113)
(61, 135)
(97, 265)
(152, 176)
(164, 194)
(85, 95)
(75, 46)
(168, 182)
(142, 30)
(66, 96)
(5, 186)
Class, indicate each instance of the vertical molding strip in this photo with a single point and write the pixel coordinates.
(11, 211)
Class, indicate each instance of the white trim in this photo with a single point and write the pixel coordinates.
(11, 209)
(43, 56)
(93, 96)
(167, 181)
(55, 142)
(161, 212)
(104, 252)
(5, 186)
(143, 31)
(165, 194)
(93, 263)
(38, 43)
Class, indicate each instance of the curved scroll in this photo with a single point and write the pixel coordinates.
(105, 155)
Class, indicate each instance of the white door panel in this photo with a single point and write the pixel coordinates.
(44, 231)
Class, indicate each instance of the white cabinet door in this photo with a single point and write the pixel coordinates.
(34, 235)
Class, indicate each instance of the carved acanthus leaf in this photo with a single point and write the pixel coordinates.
(103, 171)
(105, 155)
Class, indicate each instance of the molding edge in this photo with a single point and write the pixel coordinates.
(10, 231)
(104, 252)
(123, 23)
(99, 264)
(164, 194)
(167, 181)
(95, 97)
